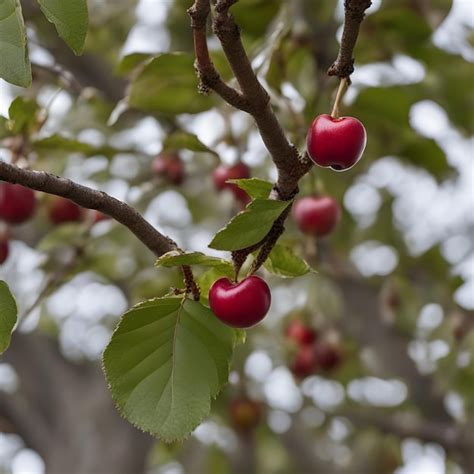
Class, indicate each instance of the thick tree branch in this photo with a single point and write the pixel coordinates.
(253, 98)
(353, 16)
(90, 199)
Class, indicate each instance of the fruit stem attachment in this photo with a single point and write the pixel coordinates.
(343, 85)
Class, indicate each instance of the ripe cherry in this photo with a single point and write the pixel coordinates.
(63, 210)
(240, 305)
(17, 203)
(245, 414)
(4, 250)
(170, 167)
(336, 142)
(98, 216)
(328, 355)
(317, 215)
(304, 363)
(238, 171)
(300, 333)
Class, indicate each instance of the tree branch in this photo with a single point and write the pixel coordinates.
(353, 16)
(253, 98)
(90, 199)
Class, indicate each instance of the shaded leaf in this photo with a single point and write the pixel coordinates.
(165, 362)
(8, 315)
(14, 64)
(70, 19)
(175, 259)
(181, 139)
(22, 114)
(283, 262)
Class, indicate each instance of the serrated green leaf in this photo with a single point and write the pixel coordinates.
(254, 187)
(165, 362)
(184, 140)
(70, 19)
(177, 259)
(14, 64)
(249, 226)
(8, 315)
(283, 262)
(22, 114)
(168, 85)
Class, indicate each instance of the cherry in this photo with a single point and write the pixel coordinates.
(317, 215)
(17, 203)
(240, 305)
(4, 250)
(245, 414)
(238, 171)
(304, 363)
(63, 210)
(300, 333)
(337, 143)
(98, 216)
(328, 355)
(170, 167)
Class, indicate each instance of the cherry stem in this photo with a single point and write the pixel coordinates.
(343, 85)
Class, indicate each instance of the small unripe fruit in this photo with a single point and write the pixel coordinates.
(240, 305)
(238, 171)
(317, 215)
(4, 250)
(300, 333)
(304, 363)
(17, 203)
(336, 143)
(63, 210)
(245, 414)
(170, 167)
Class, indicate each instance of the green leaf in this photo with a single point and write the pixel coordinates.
(14, 64)
(168, 85)
(60, 144)
(249, 226)
(166, 360)
(130, 62)
(284, 263)
(181, 139)
(8, 314)
(176, 259)
(207, 279)
(70, 19)
(254, 187)
(22, 114)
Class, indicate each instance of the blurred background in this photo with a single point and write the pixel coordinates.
(394, 288)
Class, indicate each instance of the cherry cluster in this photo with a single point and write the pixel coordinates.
(314, 352)
(19, 204)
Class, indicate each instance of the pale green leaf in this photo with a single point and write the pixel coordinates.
(8, 315)
(22, 114)
(167, 360)
(184, 140)
(283, 262)
(249, 226)
(168, 85)
(175, 259)
(70, 19)
(254, 187)
(14, 62)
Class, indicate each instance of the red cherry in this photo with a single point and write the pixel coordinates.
(338, 143)
(328, 355)
(238, 171)
(317, 215)
(240, 305)
(304, 363)
(300, 333)
(245, 414)
(64, 210)
(17, 203)
(170, 167)
(98, 216)
(4, 250)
